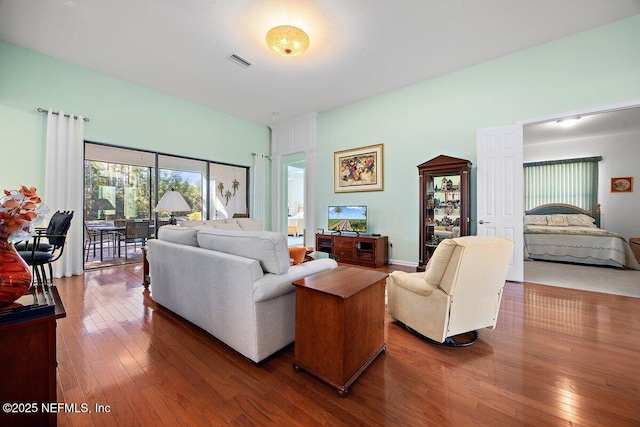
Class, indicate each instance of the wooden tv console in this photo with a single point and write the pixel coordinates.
(365, 250)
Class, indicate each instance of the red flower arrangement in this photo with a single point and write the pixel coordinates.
(20, 212)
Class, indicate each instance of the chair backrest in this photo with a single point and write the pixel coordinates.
(137, 229)
(119, 222)
(472, 270)
(59, 225)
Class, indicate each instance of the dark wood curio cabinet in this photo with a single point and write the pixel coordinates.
(444, 203)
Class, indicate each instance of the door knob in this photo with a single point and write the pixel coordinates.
(483, 222)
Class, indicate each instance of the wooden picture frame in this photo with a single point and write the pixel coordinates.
(622, 185)
(358, 169)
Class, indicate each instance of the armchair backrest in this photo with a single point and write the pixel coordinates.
(472, 270)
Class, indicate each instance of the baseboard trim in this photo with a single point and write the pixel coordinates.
(404, 263)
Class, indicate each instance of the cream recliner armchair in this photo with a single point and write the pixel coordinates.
(460, 292)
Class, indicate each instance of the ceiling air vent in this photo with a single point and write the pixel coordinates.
(234, 57)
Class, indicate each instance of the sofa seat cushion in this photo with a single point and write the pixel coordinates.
(177, 234)
(271, 286)
(267, 247)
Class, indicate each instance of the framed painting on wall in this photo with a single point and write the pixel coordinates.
(358, 169)
(622, 185)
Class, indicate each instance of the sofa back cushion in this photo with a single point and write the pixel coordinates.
(201, 223)
(267, 247)
(178, 234)
(227, 226)
(247, 224)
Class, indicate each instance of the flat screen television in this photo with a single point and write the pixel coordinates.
(351, 218)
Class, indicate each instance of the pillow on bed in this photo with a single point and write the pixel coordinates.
(581, 220)
(557, 220)
(535, 219)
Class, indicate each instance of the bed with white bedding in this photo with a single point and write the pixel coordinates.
(569, 234)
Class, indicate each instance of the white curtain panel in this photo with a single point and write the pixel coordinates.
(259, 187)
(63, 185)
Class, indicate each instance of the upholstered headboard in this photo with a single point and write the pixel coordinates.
(562, 208)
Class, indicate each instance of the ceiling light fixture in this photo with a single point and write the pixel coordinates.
(286, 40)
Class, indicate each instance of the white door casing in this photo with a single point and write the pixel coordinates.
(500, 189)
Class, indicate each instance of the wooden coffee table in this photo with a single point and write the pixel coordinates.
(339, 324)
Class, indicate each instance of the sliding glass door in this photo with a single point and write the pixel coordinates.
(118, 184)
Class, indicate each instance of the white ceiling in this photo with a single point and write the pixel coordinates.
(359, 48)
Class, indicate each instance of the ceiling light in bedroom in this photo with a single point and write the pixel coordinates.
(568, 122)
(286, 40)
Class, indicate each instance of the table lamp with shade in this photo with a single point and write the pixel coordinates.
(172, 201)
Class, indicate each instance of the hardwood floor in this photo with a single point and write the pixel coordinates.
(557, 357)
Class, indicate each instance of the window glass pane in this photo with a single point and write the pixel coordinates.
(188, 177)
(574, 183)
(120, 183)
(124, 156)
(116, 191)
(189, 185)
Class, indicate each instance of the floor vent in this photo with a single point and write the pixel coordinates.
(234, 57)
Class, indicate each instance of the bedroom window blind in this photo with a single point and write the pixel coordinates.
(571, 181)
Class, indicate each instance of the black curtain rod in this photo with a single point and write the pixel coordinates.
(42, 110)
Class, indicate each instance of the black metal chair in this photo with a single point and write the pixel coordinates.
(47, 246)
(43, 245)
(92, 239)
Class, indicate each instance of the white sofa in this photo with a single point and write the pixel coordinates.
(247, 224)
(234, 284)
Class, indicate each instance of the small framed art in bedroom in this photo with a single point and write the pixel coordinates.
(622, 185)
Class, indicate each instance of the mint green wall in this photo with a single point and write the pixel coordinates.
(440, 116)
(121, 113)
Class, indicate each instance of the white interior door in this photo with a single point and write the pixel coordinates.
(500, 189)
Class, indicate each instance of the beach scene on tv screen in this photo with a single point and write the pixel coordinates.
(348, 218)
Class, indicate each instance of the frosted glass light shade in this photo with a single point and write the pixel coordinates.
(286, 40)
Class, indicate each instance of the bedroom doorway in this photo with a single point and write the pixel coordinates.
(611, 134)
(295, 191)
(516, 170)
